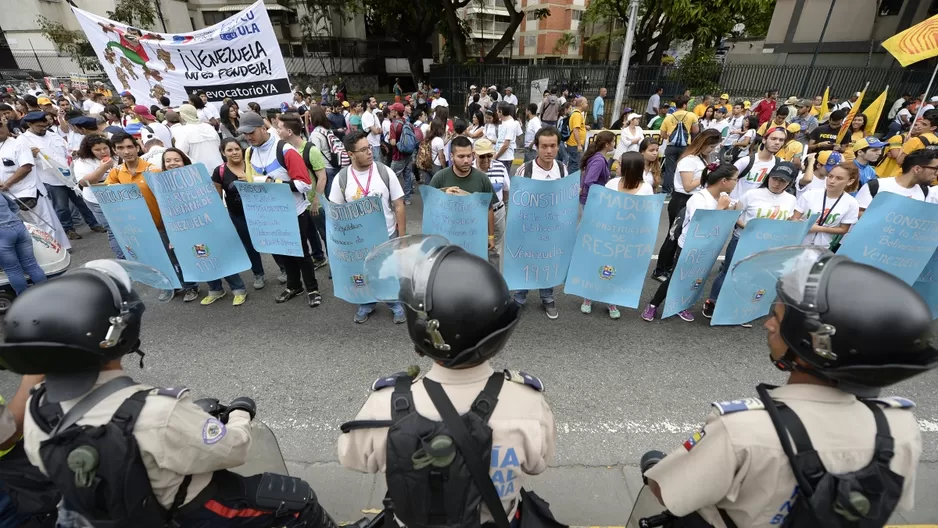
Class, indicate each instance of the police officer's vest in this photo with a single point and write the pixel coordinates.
(429, 479)
(98, 469)
(866, 497)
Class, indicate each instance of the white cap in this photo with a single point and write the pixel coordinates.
(493, 87)
(472, 87)
(933, 99)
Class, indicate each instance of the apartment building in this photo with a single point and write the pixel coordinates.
(559, 35)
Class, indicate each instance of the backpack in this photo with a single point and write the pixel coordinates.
(564, 127)
(529, 165)
(338, 156)
(99, 469)
(424, 159)
(680, 136)
(408, 142)
(752, 161)
(874, 187)
(383, 172)
(431, 480)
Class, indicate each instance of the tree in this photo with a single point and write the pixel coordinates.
(137, 13)
(409, 22)
(563, 44)
(318, 22)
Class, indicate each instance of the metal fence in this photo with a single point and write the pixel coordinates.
(48, 63)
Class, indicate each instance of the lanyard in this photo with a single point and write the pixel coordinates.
(364, 190)
(823, 218)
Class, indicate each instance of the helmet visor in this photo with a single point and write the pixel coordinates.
(399, 269)
(791, 271)
(150, 284)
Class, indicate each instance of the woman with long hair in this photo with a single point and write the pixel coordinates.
(594, 169)
(742, 146)
(688, 178)
(630, 136)
(491, 127)
(112, 114)
(833, 202)
(254, 107)
(856, 132)
(707, 118)
(652, 173)
(319, 134)
(477, 128)
(437, 145)
(94, 160)
(442, 113)
(230, 121)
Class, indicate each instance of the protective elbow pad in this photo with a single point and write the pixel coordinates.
(282, 493)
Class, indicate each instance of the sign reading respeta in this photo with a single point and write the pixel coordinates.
(237, 58)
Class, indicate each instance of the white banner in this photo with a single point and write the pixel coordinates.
(537, 90)
(237, 58)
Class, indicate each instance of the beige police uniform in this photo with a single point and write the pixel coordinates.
(523, 432)
(176, 438)
(738, 465)
(7, 424)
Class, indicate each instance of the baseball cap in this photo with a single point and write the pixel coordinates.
(794, 128)
(746, 104)
(508, 88)
(397, 107)
(85, 122)
(792, 100)
(493, 87)
(436, 90)
(725, 96)
(44, 101)
(143, 111)
(32, 117)
(867, 142)
(345, 104)
(483, 147)
(632, 116)
(249, 122)
(721, 109)
(472, 87)
(784, 170)
(830, 159)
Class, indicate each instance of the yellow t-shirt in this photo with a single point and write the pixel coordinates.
(577, 122)
(814, 111)
(700, 110)
(765, 126)
(790, 150)
(848, 152)
(888, 168)
(671, 120)
(919, 142)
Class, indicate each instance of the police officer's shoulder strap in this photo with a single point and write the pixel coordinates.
(892, 402)
(402, 402)
(485, 402)
(733, 406)
(523, 378)
(49, 416)
(805, 464)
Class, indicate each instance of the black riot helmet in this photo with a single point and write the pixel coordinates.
(459, 309)
(68, 327)
(855, 325)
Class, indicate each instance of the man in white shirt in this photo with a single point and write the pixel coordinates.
(510, 97)
(508, 132)
(530, 129)
(49, 150)
(438, 100)
(898, 105)
(372, 126)
(753, 171)
(918, 170)
(654, 102)
(847, 105)
(152, 128)
(930, 105)
(97, 105)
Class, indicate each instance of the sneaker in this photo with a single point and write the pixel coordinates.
(239, 299)
(586, 307)
(746, 325)
(166, 295)
(551, 310)
(614, 312)
(72, 235)
(399, 316)
(708, 308)
(191, 295)
(313, 299)
(212, 297)
(259, 282)
(362, 314)
(282, 277)
(99, 229)
(660, 276)
(287, 294)
(650, 312)
(686, 315)
(407, 202)
(320, 263)
(519, 299)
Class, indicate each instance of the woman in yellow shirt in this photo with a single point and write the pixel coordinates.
(856, 131)
(792, 149)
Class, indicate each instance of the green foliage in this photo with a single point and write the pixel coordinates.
(699, 71)
(137, 13)
(72, 43)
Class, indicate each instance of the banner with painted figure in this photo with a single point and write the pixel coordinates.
(463, 220)
(270, 211)
(197, 223)
(540, 231)
(238, 58)
(353, 229)
(703, 240)
(614, 245)
(927, 285)
(735, 306)
(895, 234)
(129, 218)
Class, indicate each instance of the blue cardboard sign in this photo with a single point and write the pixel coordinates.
(927, 285)
(353, 229)
(270, 211)
(463, 220)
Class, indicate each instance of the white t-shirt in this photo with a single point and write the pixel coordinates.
(643, 190)
(754, 178)
(846, 212)
(208, 112)
(83, 167)
(386, 130)
(14, 154)
(722, 126)
(96, 108)
(160, 132)
(932, 194)
(53, 146)
(86, 105)
(649, 178)
(864, 198)
(376, 188)
(763, 203)
(538, 173)
(735, 123)
(815, 183)
(436, 145)
(510, 99)
(508, 130)
(701, 199)
(625, 142)
(369, 120)
(688, 164)
(491, 133)
(530, 130)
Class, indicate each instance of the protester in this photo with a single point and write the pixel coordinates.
(888, 167)
(903, 119)
(792, 149)
(715, 196)
(707, 118)
(594, 169)
(655, 123)
(437, 146)
(922, 135)
(898, 105)
(700, 110)
(461, 178)
(868, 151)
(576, 143)
(230, 120)
(649, 149)
(918, 171)
(766, 107)
(532, 125)
(224, 176)
(16, 248)
(196, 139)
(855, 132)
(837, 209)
(630, 136)
(678, 128)
(491, 127)
(508, 132)
(847, 105)
(510, 97)
(476, 128)
(498, 176)
(824, 136)
(754, 168)
(689, 178)
(599, 110)
(150, 127)
(94, 160)
(550, 109)
(653, 106)
(354, 118)
(361, 180)
(804, 120)
(817, 167)
(779, 121)
(263, 165)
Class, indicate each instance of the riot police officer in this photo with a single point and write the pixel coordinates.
(811, 452)
(460, 315)
(78, 425)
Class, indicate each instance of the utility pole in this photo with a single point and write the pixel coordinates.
(817, 48)
(626, 53)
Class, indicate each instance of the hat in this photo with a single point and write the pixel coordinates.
(805, 103)
(507, 88)
(830, 159)
(792, 100)
(472, 87)
(784, 170)
(345, 104)
(172, 117)
(721, 109)
(794, 128)
(98, 83)
(725, 96)
(397, 107)
(86, 122)
(893, 142)
(249, 122)
(143, 111)
(43, 101)
(189, 115)
(436, 90)
(483, 147)
(933, 99)
(746, 104)
(867, 142)
(73, 113)
(493, 87)
(32, 117)
(631, 117)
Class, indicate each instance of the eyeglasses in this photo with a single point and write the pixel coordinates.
(930, 167)
(362, 150)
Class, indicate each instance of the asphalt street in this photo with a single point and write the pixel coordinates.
(617, 388)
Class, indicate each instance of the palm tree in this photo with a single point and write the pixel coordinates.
(562, 46)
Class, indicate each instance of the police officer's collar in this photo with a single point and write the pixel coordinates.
(464, 376)
(812, 392)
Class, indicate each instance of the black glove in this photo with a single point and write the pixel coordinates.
(210, 405)
(243, 404)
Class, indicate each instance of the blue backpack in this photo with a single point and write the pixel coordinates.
(680, 136)
(407, 143)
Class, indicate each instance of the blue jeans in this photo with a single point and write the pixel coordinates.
(17, 258)
(330, 176)
(573, 159)
(241, 226)
(61, 196)
(547, 295)
(724, 269)
(671, 154)
(102, 220)
(404, 168)
(235, 282)
(376, 152)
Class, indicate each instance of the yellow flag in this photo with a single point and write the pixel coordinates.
(824, 109)
(849, 119)
(917, 43)
(874, 111)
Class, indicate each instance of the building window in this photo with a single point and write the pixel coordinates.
(212, 17)
(890, 7)
(531, 16)
(530, 41)
(298, 50)
(577, 15)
